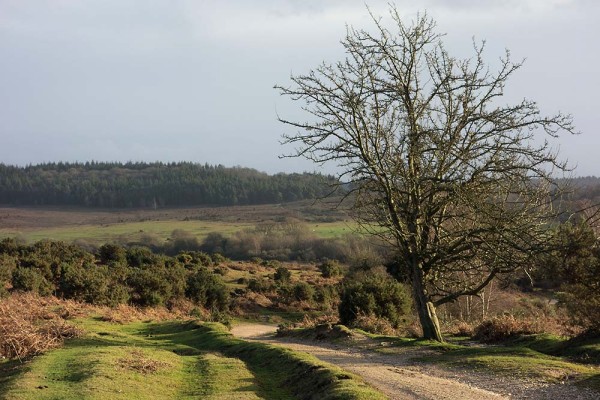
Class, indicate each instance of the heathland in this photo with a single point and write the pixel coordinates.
(135, 302)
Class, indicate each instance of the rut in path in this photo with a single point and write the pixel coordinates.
(401, 378)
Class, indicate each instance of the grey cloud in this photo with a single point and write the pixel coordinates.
(192, 80)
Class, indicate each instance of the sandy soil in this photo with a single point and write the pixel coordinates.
(400, 377)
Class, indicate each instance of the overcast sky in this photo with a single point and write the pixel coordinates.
(145, 80)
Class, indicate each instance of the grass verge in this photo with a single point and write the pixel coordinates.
(541, 357)
(302, 375)
(179, 360)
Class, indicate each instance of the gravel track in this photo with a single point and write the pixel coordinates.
(401, 378)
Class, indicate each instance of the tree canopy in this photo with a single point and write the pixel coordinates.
(132, 185)
(439, 165)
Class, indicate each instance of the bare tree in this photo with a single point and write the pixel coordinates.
(438, 166)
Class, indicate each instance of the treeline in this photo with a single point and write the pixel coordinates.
(289, 240)
(586, 188)
(135, 185)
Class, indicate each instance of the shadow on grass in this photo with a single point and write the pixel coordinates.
(9, 372)
(279, 373)
(190, 337)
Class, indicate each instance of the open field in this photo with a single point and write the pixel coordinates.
(101, 226)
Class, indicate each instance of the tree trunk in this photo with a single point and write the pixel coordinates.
(426, 310)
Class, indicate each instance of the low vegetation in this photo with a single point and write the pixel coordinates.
(31, 325)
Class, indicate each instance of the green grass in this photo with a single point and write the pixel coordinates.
(178, 360)
(301, 374)
(514, 361)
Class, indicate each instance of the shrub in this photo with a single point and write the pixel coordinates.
(185, 259)
(202, 258)
(374, 295)
(218, 258)
(260, 285)
(138, 256)
(208, 290)
(109, 252)
(330, 268)
(575, 263)
(275, 264)
(88, 284)
(7, 266)
(302, 291)
(31, 280)
(152, 286)
(10, 246)
(583, 304)
(282, 275)
(220, 270)
(327, 297)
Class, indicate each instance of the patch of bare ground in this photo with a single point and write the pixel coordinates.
(139, 362)
(401, 377)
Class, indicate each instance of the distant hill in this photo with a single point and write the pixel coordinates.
(134, 185)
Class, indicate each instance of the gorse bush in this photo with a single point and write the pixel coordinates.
(88, 284)
(282, 275)
(574, 266)
(374, 294)
(303, 292)
(330, 268)
(29, 279)
(208, 289)
(111, 253)
(7, 266)
(113, 276)
(260, 285)
(327, 297)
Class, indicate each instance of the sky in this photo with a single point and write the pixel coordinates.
(183, 80)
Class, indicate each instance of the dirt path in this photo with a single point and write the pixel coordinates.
(401, 378)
